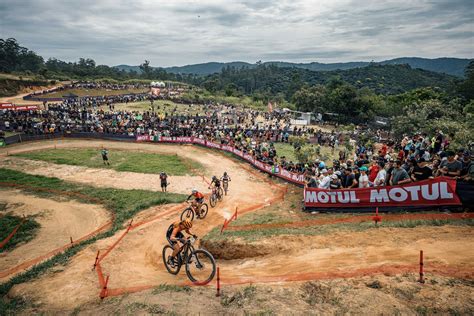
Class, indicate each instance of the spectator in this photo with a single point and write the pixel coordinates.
(399, 175)
(381, 175)
(363, 179)
(335, 183)
(421, 171)
(325, 180)
(450, 167)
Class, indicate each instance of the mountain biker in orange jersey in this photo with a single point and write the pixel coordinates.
(175, 236)
(198, 200)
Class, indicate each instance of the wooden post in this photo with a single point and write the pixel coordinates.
(218, 294)
(422, 273)
(96, 259)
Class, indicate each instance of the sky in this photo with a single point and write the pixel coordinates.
(175, 32)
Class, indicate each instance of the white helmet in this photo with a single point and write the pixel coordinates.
(194, 190)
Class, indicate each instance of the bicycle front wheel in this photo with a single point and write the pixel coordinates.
(213, 200)
(187, 214)
(201, 267)
(221, 194)
(172, 268)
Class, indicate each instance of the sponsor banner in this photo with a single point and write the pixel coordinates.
(431, 192)
(11, 106)
(275, 170)
(144, 138)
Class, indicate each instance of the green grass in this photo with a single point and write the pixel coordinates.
(120, 160)
(285, 150)
(162, 107)
(25, 233)
(93, 92)
(124, 203)
(170, 288)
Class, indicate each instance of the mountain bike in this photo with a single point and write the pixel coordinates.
(190, 211)
(216, 195)
(200, 264)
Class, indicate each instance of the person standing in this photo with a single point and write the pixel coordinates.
(105, 156)
(164, 181)
(399, 175)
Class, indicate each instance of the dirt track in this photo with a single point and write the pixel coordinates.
(59, 221)
(136, 262)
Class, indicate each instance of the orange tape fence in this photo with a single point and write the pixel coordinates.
(10, 236)
(27, 264)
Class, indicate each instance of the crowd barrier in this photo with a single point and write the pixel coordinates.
(295, 178)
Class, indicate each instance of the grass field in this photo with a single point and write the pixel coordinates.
(133, 161)
(162, 107)
(25, 233)
(124, 203)
(93, 92)
(287, 150)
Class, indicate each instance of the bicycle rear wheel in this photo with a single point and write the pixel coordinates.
(167, 251)
(204, 210)
(213, 200)
(201, 267)
(187, 214)
(226, 188)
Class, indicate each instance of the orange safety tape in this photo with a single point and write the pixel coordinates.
(6, 240)
(352, 219)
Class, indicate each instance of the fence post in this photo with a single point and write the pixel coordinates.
(96, 259)
(218, 294)
(103, 293)
(422, 274)
(71, 240)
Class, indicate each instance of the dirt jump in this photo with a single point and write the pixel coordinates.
(135, 264)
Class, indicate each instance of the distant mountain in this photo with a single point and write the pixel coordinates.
(451, 66)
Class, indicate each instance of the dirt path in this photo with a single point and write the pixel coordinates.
(103, 178)
(137, 259)
(59, 221)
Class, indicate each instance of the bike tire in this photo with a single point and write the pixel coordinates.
(167, 251)
(187, 214)
(204, 210)
(201, 259)
(221, 194)
(226, 188)
(213, 200)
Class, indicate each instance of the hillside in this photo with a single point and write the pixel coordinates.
(384, 79)
(451, 66)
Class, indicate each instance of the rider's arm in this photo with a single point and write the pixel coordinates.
(173, 234)
(189, 197)
(188, 231)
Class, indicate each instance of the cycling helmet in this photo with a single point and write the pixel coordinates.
(194, 191)
(187, 223)
(225, 173)
(214, 177)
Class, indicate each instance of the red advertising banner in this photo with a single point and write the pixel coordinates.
(274, 170)
(11, 106)
(431, 192)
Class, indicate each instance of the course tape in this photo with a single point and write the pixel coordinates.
(353, 219)
(27, 264)
(6, 240)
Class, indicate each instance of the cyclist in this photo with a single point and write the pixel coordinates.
(225, 177)
(198, 200)
(175, 237)
(216, 183)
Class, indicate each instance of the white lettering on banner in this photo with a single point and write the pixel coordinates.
(183, 139)
(445, 194)
(227, 148)
(413, 192)
(425, 192)
(333, 197)
(398, 194)
(237, 152)
(213, 145)
(379, 196)
(141, 138)
(199, 141)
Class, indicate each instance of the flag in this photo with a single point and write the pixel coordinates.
(270, 107)
(155, 91)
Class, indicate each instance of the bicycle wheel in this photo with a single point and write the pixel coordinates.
(167, 251)
(187, 214)
(213, 200)
(221, 194)
(201, 267)
(204, 210)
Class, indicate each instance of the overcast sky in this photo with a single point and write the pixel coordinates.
(176, 32)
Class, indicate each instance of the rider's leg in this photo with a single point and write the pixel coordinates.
(176, 249)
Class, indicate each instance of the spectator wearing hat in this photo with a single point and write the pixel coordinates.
(325, 180)
(421, 171)
(450, 167)
(335, 183)
(363, 179)
(399, 175)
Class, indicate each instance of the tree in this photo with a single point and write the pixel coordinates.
(147, 71)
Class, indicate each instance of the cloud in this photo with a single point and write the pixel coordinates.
(190, 31)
